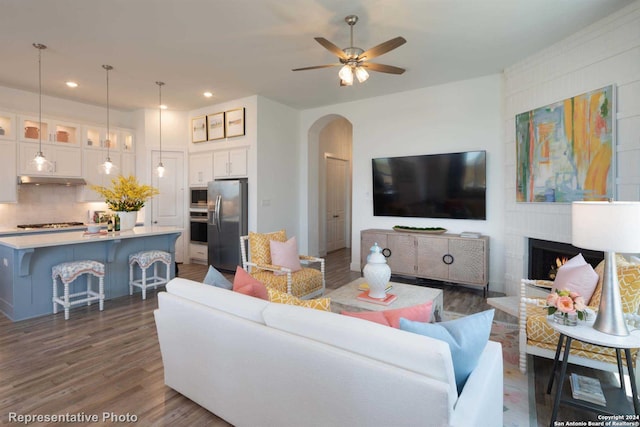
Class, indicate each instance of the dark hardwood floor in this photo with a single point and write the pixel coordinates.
(110, 362)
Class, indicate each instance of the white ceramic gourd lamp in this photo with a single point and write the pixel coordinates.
(377, 273)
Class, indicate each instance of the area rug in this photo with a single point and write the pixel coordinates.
(516, 385)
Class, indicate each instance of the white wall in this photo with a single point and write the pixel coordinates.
(459, 116)
(607, 52)
(277, 183)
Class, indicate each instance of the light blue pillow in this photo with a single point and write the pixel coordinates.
(215, 278)
(466, 336)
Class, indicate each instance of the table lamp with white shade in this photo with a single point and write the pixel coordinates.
(610, 227)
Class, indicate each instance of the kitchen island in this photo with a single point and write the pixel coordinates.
(26, 261)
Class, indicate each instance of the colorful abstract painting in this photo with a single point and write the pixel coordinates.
(565, 150)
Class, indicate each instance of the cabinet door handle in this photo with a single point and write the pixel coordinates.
(386, 252)
(448, 259)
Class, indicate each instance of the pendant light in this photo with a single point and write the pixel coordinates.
(160, 167)
(108, 167)
(39, 162)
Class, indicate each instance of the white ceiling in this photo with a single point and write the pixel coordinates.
(237, 48)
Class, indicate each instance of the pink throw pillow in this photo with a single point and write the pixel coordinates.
(372, 316)
(416, 313)
(285, 254)
(577, 276)
(245, 284)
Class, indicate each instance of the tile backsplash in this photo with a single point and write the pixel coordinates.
(46, 203)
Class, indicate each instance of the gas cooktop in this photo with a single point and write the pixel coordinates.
(51, 225)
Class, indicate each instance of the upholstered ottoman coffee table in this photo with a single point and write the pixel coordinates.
(345, 298)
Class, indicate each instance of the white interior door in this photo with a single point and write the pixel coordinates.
(167, 208)
(337, 173)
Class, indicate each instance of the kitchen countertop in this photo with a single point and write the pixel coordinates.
(42, 240)
(12, 231)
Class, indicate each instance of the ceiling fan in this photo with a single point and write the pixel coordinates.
(354, 60)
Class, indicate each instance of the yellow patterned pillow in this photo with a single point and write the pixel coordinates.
(260, 248)
(628, 281)
(275, 295)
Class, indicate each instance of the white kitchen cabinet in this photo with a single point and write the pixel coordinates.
(53, 131)
(95, 137)
(8, 191)
(230, 163)
(67, 161)
(127, 164)
(200, 169)
(127, 141)
(7, 126)
(198, 253)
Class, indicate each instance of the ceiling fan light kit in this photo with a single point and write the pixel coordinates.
(353, 59)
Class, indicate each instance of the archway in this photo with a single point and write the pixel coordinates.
(329, 141)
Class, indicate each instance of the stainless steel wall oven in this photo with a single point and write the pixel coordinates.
(198, 225)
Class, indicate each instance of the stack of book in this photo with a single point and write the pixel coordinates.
(365, 287)
(587, 389)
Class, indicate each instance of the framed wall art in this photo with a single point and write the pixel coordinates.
(565, 150)
(234, 122)
(199, 129)
(215, 126)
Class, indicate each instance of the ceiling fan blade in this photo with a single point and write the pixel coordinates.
(315, 67)
(383, 68)
(382, 48)
(332, 47)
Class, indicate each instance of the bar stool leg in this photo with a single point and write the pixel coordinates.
(155, 274)
(101, 292)
(144, 282)
(131, 279)
(88, 288)
(55, 295)
(66, 301)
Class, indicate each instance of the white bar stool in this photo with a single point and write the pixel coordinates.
(70, 271)
(145, 259)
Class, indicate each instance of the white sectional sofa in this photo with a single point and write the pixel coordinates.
(256, 363)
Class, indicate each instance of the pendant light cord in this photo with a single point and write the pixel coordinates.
(108, 140)
(40, 48)
(40, 99)
(160, 84)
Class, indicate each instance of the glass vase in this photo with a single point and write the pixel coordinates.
(568, 319)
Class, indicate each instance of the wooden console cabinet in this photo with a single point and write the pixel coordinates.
(445, 257)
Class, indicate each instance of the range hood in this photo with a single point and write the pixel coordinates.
(50, 180)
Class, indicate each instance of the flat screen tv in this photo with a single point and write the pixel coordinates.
(451, 185)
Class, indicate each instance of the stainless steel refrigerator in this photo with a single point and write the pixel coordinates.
(227, 221)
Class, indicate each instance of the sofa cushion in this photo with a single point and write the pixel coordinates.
(215, 278)
(577, 276)
(247, 285)
(221, 299)
(284, 298)
(424, 355)
(417, 313)
(371, 316)
(285, 254)
(260, 248)
(466, 336)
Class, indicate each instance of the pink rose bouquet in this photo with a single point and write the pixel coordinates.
(566, 302)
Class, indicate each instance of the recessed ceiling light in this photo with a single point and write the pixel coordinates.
(72, 84)
(163, 107)
(207, 94)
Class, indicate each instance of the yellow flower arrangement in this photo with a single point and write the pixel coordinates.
(126, 194)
